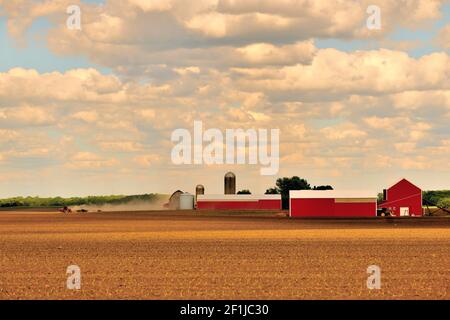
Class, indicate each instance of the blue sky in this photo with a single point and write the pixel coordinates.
(425, 36)
(35, 54)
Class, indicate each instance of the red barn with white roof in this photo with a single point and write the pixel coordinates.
(239, 202)
(331, 203)
(403, 199)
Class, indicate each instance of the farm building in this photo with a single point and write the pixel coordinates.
(174, 200)
(239, 202)
(332, 203)
(403, 199)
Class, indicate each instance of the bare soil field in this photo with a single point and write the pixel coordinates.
(174, 255)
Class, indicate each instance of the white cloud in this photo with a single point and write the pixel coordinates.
(26, 116)
(120, 146)
(87, 116)
(232, 64)
(268, 54)
(89, 160)
(137, 35)
(344, 131)
(147, 160)
(362, 72)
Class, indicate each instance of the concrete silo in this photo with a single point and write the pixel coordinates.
(186, 201)
(230, 183)
(199, 189)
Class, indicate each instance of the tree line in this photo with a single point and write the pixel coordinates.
(36, 202)
(441, 198)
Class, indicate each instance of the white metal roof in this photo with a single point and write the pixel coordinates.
(330, 194)
(237, 197)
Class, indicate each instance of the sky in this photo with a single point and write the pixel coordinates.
(92, 111)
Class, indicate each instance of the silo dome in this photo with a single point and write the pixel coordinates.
(199, 189)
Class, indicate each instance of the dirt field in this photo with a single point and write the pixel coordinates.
(165, 255)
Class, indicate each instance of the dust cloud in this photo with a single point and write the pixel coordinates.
(134, 205)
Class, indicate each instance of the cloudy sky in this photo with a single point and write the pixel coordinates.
(92, 111)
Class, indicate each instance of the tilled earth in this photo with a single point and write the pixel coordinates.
(170, 255)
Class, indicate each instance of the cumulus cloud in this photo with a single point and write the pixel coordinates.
(26, 116)
(268, 54)
(7, 135)
(147, 160)
(362, 72)
(89, 160)
(22, 13)
(120, 146)
(232, 64)
(87, 116)
(346, 131)
(135, 36)
(22, 144)
(372, 94)
(78, 84)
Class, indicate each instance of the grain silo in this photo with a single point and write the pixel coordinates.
(174, 200)
(186, 201)
(230, 183)
(199, 189)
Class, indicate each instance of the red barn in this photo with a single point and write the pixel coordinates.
(331, 203)
(403, 199)
(239, 202)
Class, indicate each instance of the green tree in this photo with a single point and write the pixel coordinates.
(435, 196)
(327, 187)
(444, 203)
(74, 201)
(380, 197)
(283, 185)
(272, 191)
